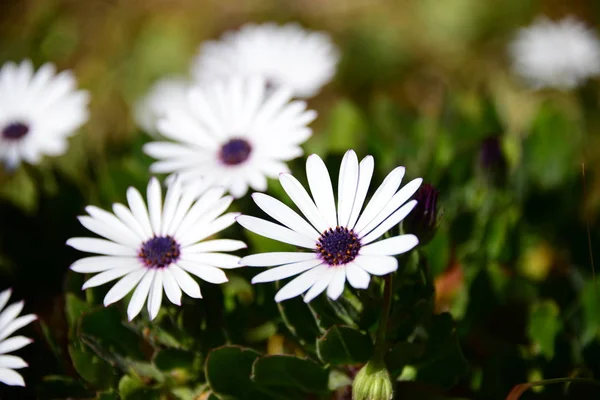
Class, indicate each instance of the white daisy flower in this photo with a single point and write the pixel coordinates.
(38, 112)
(283, 55)
(156, 248)
(559, 55)
(9, 323)
(234, 134)
(342, 244)
(165, 94)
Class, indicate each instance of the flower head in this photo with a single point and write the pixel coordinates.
(341, 243)
(234, 134)
(559, 55)
(39, 111)
(155, 248)
(9, 323)
(285, 55)
(373, 383)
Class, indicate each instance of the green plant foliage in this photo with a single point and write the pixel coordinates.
(344, 345)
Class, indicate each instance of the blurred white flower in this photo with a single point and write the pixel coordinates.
(342, 243)
(9, 323)
(282, 55)
(39, 110)
(234, 134)
(155, 248)
(559, 55)
(164, 94)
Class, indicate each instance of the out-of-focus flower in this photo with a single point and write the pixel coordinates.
(9, 323)
(165, 94)
(341, 243)
(285, 55)
(424, 220)
(234, 134)
(154, 248)
(492, 161)
(39, 110)
(559, 55)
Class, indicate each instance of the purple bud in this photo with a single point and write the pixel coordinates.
(423, 220)
(492, 160)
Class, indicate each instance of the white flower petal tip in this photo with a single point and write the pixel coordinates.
(144, 243)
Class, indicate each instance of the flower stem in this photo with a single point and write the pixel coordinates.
(380, 347)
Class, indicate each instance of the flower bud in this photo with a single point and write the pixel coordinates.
(373, 383)
(423, 221)
(492, 161)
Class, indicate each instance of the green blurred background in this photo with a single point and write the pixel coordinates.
(421, 83)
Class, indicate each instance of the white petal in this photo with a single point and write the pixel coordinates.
(285, 215)
(320, 285)
(391, 246)
(204, 272)
(100, 246)
(124, 286)
(16, 324)
(300, 284)
(270, 259)
(140, 294)
(391, 221)
(12, 362)
(382, 196)
(109, 275)
(216, 245)
(301, 198)
(154, 195)
(102, 263)
(172, 199)
(112, 221)
(365, 173)
(11, 378)
(172, 289)
(109, 233)
(155, 296)
(184, 206)
(274, 231)
(285, 271)
(357, 277)
(186, 282)
(10, 313)
(195, 231)
(139, 210)
(220, 260)
(207, 201)
(4, 296)
(336, 286)
(126, 217)
(321, 189)
(223, 222)
(377, 265)
(347, 185)
(14, 343)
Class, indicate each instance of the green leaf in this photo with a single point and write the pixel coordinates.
(170, 359)
(91, 367)
(58, 387)
(228, 370)
(282, 370)
(544, 325)
(344, 345)
(402, 354)
(299, 320)
(590, 299)
(20, 190)
(74, 309)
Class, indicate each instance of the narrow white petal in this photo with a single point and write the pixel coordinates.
(108, 232)
(216, 245)
(155, 295)
(321, 189)
(300, 197)
(140, 294)
(109, 275)
(172, 289)
(205, 272)
(210, 200)
(274, 231)
(271, 259)
(4, 296)
(336, 286)
(382, 196)
(391, 221)
(124, 286)
(10, 313)
(357, 277)
(95, 264)
(216, 226)
(347, 186)
(320, 285)
(154, 196)
(195, 231)
(182, 209)
(12, 362)
(391, 246)
(186, 282)
(220, 260)
(172, 199)
(115, 223)
(139, 210)
(100, 246)
(14, 343)
(285, 271)
(285, 215)
(16, 324)
(126, 217)
(365, 173)
(377, 265)
(11, 378)
(300, 284)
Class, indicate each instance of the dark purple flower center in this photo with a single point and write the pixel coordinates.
(15, 131)
(159, 252)
(338, 246)
(235, 152)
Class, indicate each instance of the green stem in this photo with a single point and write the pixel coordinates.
(380, 347)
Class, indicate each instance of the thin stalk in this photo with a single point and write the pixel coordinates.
(380, 339)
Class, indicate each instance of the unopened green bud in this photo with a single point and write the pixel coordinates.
(373, 383)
